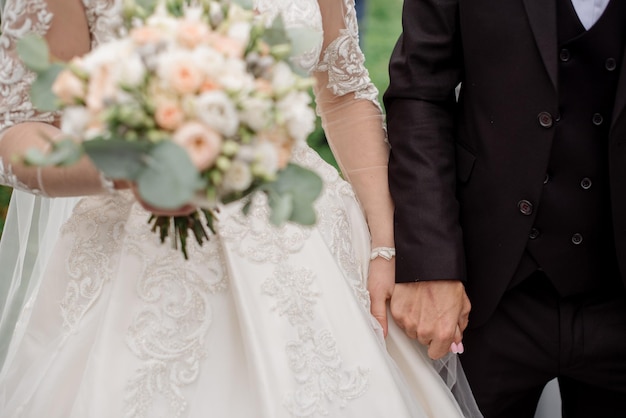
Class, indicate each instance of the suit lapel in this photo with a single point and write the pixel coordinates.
(542, 18)
(620, 98)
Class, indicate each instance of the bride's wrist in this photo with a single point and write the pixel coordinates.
(386, 253)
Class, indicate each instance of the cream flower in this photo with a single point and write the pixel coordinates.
(202, 143)
(217, 110)
(298, 115)
(238, 177)
(68, 88)
(191, 33)
(255, 113)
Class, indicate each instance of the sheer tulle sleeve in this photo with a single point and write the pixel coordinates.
(352, 118)
(22, 126)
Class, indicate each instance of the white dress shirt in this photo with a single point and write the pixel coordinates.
(589, 11)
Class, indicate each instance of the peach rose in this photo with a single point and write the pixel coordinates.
(202, 143)
(228, 46)
(191, 33)
(101, 88)
(169, 115)
(185, 77)
(281, 142)
(146, 35)
(68, 88)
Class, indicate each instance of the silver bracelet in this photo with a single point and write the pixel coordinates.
(384, 252)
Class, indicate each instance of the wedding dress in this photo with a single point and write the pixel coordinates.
(101, 320)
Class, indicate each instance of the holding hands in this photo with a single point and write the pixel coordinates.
(433, 312)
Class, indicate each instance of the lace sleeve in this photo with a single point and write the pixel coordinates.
(66, 25)
(352, 118)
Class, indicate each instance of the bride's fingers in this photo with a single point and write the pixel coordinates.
(457, 345)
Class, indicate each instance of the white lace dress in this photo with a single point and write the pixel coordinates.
(261, 322)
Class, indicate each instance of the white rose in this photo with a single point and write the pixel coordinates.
(74, 121)
(256, 113)
(298, 115)
(130, 71)
(217, 110)
(240, 31)
(234, 77)
(238, 177)
(283, 79)
(266, 160)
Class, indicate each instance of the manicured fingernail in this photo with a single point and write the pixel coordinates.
(454, 348)
(460, 348)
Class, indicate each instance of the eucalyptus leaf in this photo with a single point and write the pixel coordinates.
(63, 153)
(118, 159)
(41, 94)
(276, 34)
(246, 4)
(301, 187)
(281, 208)
(303, 40)
(169, 181)
(33, 51)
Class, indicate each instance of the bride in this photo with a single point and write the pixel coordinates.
(98, 319)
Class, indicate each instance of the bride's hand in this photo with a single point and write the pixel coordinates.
(182, 211)
(380, 284)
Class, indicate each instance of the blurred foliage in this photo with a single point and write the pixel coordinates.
(381, 27)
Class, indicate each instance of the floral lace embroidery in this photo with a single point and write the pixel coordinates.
(319, 372)
(297, 14)
(97, 229)
(169, 329)
(291, 289)
(18, 19)
(253, 237)
(7, 178)
(345, 63)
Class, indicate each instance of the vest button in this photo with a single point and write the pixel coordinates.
(545, 119)
(564, 55)
(597, 119)
(534, 233)
(585, 183)
(525, 207)
(610, 64)
(577, 239)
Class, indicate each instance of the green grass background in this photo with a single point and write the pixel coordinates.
(381, 27)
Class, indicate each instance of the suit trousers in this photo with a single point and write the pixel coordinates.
(534, 336)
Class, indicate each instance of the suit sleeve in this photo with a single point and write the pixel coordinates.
(425, 68)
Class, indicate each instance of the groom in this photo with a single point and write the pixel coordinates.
(515, 191)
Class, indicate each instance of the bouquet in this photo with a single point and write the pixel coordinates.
(193, 103)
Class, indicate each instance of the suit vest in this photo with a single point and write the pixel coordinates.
(572, 237)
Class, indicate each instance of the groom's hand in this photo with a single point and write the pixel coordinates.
(433, 312)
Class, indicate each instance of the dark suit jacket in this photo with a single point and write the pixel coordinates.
(458, 170)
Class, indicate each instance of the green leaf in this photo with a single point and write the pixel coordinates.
(281, 208)
(169, 181)
(33, 51)
(63, 153)
(41, 94)
(294, 191)
(303, 40)
(276, 33)
(118, 159)
(245, 4)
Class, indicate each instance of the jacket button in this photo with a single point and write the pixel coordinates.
(610, 64)
(564, 55)
(545, 119)
(585, 183)
(525, 207)
(577, 239)
(546, 179)
(597, 119)
(534, 233)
